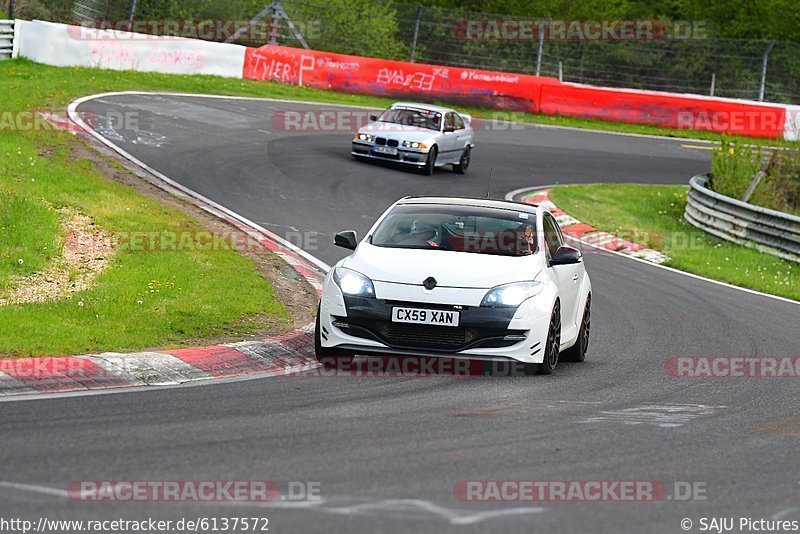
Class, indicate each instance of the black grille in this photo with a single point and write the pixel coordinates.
(415, 335)
(393, 142)
(380, 140)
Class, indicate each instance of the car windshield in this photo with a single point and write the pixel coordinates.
(473, 229)
(431, 120)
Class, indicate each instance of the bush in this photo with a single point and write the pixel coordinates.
(733, 166)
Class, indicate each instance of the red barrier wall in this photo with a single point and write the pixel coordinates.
(508, 91)
(355, 74)
(664, 109)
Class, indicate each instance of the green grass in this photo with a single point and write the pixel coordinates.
(143, 299)
(653, 216)
(30, 235)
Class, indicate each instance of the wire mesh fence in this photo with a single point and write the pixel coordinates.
(698, 64)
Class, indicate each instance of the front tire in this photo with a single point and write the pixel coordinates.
(430, 163)
(553, 342)
(577, 352)
(330, 357)
(463, 163)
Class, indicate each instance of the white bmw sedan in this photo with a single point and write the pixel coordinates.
(419, 135)
(462, 277)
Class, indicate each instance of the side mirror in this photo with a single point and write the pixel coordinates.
(566, 255)
(346, 239)
(373, 117)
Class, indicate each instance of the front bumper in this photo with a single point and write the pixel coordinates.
(406, 156)
(364, 325)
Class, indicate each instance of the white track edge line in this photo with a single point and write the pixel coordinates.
(75, 117)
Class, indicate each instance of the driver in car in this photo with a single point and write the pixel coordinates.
(422, 234)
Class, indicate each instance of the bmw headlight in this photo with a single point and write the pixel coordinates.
(511, 294)
(363, 137)
(352, 283)
(414, 144)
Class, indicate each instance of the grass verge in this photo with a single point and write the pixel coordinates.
(145, 298)
(652, 215)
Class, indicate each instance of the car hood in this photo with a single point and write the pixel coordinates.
(398, 131)
(449, 268)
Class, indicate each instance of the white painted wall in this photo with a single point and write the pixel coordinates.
(67, 46)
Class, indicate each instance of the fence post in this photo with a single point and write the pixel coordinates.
(11, 9)
(560, 71)
(764, 71)
(276, 23)
(416, 33)
(131, 14)
(713, 82)
(539, 53)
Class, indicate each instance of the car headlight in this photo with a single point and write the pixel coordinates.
(414, 144)
(353, 283)
(363, 137)
(511, 294)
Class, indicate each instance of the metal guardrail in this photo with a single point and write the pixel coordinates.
(760, 228)
(6, 38)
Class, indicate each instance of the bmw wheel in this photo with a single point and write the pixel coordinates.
(427, 170)
(463, 164)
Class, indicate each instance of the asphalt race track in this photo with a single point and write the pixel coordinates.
(388, 451)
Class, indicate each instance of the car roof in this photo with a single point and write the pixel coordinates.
(470, 201)
(420, 105)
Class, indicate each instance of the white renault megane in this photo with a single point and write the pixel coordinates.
(462, 277)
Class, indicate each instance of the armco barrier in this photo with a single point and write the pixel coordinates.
(733, 220)
(6, 39)
(356, 74)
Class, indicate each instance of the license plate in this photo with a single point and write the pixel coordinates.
(386, 150)
(418, 316)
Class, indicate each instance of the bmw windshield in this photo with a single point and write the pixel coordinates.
(432, 120)
(478, 230)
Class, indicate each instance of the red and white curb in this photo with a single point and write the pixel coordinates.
(280, 355)
(589, 234)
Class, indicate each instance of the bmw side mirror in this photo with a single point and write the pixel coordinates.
(373, 117)
(566, 255)
(346, 239)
